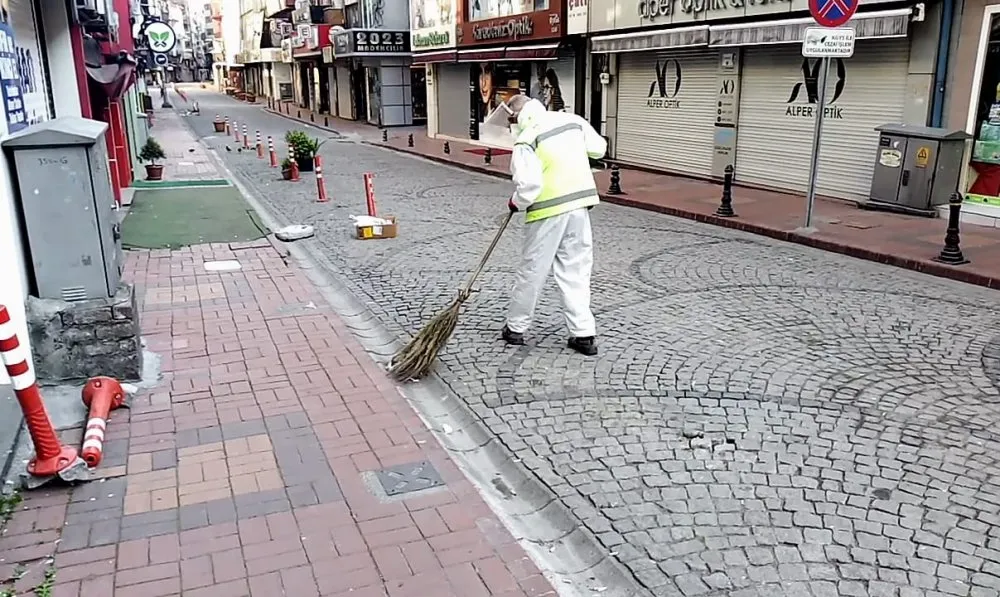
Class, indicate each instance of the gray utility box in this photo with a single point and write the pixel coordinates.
(916, 167)
(68, 208)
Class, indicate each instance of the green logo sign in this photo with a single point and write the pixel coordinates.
(431, 39)
(161, 37)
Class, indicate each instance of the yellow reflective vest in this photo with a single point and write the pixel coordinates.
(567, 182)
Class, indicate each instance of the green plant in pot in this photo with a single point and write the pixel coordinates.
(304, 147)
(286, 169)
(151, 152)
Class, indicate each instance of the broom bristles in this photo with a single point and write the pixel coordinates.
(416, 359)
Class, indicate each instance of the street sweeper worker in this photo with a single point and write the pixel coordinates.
(555, 188)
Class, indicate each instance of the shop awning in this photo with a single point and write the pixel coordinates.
(866, 25)
(434, 57)
(484, 55)
(661, 39)
(536, 52)
(113, 79)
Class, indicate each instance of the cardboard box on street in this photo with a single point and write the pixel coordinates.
(382, 231)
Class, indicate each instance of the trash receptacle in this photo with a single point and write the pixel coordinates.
(916, 168)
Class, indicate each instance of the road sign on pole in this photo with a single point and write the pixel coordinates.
(832, 13)
(822, 42)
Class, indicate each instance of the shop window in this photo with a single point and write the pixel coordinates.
(492, 9)
(984, 169)
(28, 74)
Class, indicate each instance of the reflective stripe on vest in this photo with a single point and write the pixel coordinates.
(567, 181)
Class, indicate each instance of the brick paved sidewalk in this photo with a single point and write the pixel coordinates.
(252, 468)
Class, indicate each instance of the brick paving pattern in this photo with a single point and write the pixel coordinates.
(763, 420)
(186, 158)
(246, 472)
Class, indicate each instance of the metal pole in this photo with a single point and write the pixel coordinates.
(817, 134)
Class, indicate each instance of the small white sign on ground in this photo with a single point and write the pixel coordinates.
(824, 42)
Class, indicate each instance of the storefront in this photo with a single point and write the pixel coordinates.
(307, 80)
(432, 41)
(695, 98)
(371, 72)
(502, 56)
(982, 176)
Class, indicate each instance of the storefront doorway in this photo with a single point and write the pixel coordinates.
(418, 93)
(983, 173)
(324, 90)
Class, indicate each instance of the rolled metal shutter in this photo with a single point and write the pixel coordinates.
(776, 119)
(654, 129)
(453, 100)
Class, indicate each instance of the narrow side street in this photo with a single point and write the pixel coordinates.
(763, 419)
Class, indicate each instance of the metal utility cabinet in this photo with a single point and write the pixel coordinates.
(68, 208)
(916, 167)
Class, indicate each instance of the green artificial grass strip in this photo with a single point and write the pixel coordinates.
(173, 184)
(175, 218)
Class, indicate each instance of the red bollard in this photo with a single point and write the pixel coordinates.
(295, 165)
(320, 186)
(51, 458)
(246, 138)
(101, 395)
(227, 125)
(270, 150)
(260, 147)
(370, 193)
(236, 131)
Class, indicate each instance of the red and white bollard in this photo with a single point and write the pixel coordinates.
(246, 138)
(295, 165)
(370, 193)
(236, 131)
(260, 147)
(227, 125)
(320, 185)
(51, 458)
(270, 150)
(101, 395)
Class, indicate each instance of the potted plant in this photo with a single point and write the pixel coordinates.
(286, 169)
(151, 152)
(219, 124)
(251, 97)
(304, 147)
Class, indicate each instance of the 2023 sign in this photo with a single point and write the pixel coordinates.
(381, 41)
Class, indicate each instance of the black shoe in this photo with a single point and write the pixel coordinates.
(512, 338)
(586, 346)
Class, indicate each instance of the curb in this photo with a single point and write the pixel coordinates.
(917, 265)
(573, 559)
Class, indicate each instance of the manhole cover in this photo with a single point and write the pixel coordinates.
(407, 478)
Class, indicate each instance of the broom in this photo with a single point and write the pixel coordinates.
(416, 359)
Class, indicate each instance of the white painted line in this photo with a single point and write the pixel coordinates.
(222, 266)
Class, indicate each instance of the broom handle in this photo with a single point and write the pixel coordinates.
(486, 257)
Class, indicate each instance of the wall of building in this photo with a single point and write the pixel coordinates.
(961, 72)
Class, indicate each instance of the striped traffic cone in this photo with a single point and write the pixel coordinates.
(101, 395)
(51, 458)
(320, 185)
(260, 147)
(271, 152)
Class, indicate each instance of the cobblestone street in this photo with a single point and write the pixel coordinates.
(763, 419)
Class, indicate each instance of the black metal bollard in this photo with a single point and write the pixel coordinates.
(488, 156)
(952, 252)
(326, 121)
(312, 117)
(615, 188)
(447, 148)
(385, 136)
(409, 140)
(726, 207)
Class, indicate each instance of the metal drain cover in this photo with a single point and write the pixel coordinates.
(407, 478)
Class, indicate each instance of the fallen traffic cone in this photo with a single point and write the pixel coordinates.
(369, 179)
(101, 395)
(51, 458)
(320, 186)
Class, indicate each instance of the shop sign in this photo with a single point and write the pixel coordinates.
(576, 16)
(160, 37)
(286, 50)
(541, 24)
(432, 24)
(804, 94)
(637, 13)
(328, 54)
(381, 42)
(665, 86)
(10, 79)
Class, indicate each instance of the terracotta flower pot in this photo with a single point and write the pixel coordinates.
(251, 97)
(220, 126)
(286, 173)
(154, 171)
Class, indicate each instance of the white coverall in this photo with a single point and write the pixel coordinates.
(562, 243)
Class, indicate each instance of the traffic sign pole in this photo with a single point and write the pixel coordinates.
(824, 71)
